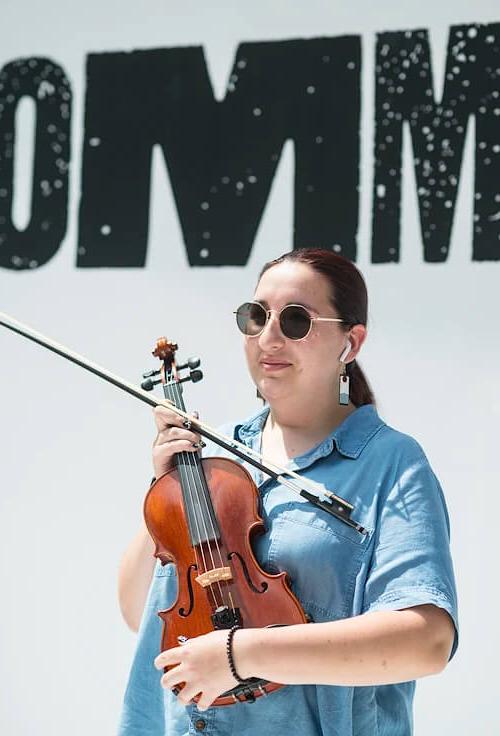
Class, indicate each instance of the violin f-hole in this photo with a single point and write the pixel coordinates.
(245, 572)
(182, 611)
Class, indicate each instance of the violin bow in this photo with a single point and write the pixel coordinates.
(316, 494)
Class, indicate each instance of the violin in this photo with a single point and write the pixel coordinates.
(203, 516)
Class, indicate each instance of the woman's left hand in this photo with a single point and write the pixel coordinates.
(202, 665)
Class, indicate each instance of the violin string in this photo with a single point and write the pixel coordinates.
(193, 465)
(191, 482)
(189, 462)
(185, 459)
(205, 495)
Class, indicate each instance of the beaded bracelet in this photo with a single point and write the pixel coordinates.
(229, 650)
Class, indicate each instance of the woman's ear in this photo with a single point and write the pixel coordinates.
(357, 336)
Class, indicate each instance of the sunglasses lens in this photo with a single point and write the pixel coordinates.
(295, 322)
(251, 318)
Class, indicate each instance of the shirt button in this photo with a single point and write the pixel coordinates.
(200, 724)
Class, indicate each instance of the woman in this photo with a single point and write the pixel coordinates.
(383, 604)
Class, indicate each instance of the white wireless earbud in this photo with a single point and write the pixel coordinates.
(346, 351)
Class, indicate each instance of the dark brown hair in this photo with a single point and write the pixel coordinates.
(349, 298)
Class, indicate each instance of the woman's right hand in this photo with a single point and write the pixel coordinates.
(172, 438)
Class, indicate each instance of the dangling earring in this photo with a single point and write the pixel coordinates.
(343, 377)
(343, 385)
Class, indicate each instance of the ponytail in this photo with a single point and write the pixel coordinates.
(359, 388)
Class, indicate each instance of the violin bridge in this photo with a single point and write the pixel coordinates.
(214, 576)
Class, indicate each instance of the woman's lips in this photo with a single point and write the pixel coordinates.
(271, 366)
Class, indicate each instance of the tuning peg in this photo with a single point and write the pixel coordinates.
(194, 376)
(149, 384)
(148, 374)
(191, 363)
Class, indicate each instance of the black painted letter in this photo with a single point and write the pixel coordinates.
(405, 93)
(221, 156)
(45, 82)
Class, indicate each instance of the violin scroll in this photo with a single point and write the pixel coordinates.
(165, 350)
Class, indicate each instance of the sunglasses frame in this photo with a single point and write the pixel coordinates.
(279, 313)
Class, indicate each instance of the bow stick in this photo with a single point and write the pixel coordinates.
(326, 500)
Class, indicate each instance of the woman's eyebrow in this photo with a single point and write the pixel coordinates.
(265, 304)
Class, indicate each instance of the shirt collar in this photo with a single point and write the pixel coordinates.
(350, 437)
(253, 425)
(355, 432)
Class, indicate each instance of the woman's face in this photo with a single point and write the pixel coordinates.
(283, 368)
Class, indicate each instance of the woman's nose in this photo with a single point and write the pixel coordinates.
(271, 336)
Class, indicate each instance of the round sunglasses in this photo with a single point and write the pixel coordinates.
(295, 321)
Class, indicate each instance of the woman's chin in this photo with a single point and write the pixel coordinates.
(273, 390)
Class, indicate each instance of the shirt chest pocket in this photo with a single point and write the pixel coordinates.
(321, 554)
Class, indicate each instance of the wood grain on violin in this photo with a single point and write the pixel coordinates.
(203, 516)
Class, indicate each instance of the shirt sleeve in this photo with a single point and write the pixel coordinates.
(411, 562)
(144, 703)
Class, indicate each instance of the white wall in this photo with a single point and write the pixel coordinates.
(75, 452)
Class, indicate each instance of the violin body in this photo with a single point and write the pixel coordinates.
(220, 583)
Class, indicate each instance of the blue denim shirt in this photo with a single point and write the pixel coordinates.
(336, 572)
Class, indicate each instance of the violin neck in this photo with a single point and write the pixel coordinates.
(200, 512)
